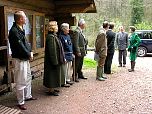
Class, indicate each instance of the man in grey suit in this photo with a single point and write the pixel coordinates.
(79, 49)
(122, 43)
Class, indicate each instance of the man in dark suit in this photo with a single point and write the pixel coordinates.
(79, 45)
(122, 43)
(111, 49)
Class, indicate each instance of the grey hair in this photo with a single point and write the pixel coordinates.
(64, 26)
(81, 22)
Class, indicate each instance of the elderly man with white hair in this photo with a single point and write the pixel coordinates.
(68, 50)
(79, 48)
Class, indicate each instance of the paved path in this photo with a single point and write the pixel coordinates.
(121, 93)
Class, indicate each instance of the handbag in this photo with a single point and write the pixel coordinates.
(96, 56)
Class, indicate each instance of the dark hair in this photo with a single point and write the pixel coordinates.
(111, 25)
(105, 24)
(132, 28)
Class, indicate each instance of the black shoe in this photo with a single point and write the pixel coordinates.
(83, 77)
(120, 65)
(131, 70)
(104, 77)
(124, 65)
(56, 90)
(53, 93)
(69, 82)
(30, 99)
(76, 80)
(65, 85)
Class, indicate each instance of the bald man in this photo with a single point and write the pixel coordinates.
(21, 52)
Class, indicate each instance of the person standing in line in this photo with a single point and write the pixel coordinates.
(68, 50)
(133, 47)
(111, 48)
(53, 60)
(21, 53)
(79, 45)
(122, 43)
(101, 50)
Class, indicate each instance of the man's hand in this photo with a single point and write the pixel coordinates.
(31, 57)
(79, 54)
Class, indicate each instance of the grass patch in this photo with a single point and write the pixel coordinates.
(89, 63)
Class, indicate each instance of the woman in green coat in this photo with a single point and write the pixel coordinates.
(53, 60)
(133, 47)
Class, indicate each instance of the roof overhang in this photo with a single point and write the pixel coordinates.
(75, 6)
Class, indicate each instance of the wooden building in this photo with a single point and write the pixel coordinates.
(38, 12)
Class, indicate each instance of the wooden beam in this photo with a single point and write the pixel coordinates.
(83, 8)
(72, 2)
(28, 7)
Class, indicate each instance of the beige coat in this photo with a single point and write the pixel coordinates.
(101, 46)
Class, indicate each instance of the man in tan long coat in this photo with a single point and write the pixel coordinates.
(101, 50)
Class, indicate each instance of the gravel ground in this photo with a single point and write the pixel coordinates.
(122, 93)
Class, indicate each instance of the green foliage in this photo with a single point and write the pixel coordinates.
(144, 26)
(137, 11)
(89, 63)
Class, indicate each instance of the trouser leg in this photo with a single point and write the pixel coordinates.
(132, 66)
(124, 56)
(68, 66)
(27, 89)
(80, 74)
(120, 57)
(77, 61)
(99, 74)
(63, 75)
(109, 63)
(20, 95)
(20, 79)
(105, 65)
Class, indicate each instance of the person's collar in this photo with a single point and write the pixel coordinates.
(80, 29)
(20, 26)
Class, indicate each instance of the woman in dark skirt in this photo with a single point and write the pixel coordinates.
(53, 61)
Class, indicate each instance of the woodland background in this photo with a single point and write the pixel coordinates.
(121, 12)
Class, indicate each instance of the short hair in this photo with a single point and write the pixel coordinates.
(132, 28)
(81, 22)
(105, 24)
(52, 25)
(111, 25)
(18, 15)
(64, 26)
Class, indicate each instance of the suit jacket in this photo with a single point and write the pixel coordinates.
(79, 42)
(18, 43)
(101, 44)
(110, 41)
(122, 40)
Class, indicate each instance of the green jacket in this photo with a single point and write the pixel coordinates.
(79, 42)
(133, 46)
(53, 62)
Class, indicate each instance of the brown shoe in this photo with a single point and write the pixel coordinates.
(22, 107)
(30, 99)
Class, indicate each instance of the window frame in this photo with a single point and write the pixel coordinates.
(9, 10)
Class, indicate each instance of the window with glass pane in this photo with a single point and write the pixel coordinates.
(28, 29)
(39, 31)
